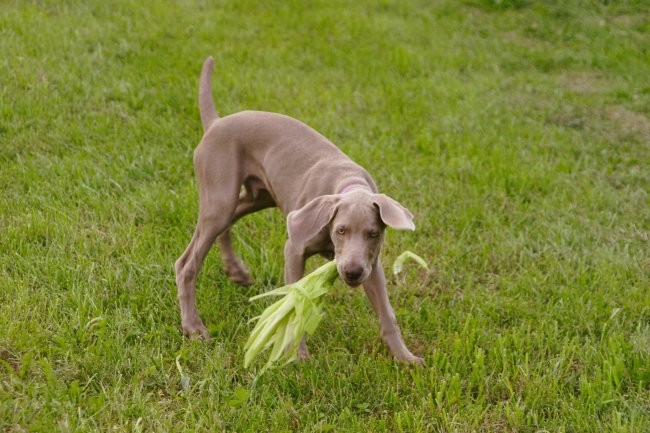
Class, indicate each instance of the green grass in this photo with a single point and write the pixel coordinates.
(517, 132)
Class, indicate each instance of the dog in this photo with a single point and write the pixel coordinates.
(254, 160)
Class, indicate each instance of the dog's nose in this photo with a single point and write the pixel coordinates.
(353, 274)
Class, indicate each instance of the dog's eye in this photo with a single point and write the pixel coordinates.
(340, 231)
(374, 234)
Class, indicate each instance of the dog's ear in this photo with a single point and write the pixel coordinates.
(305, 223)
(394, 214)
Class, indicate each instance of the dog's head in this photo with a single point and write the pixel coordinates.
(356, 222)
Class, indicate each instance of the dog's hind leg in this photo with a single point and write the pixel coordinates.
(218, 190)
(233, 266)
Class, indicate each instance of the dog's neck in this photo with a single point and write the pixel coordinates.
(352, 186)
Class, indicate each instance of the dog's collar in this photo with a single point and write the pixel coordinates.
(349, 187)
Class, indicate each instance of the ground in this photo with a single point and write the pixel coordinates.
(517, 132)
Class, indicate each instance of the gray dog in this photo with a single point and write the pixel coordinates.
(332, 207)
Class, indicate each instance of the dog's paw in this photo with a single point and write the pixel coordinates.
(411, 359)
(416, 361)
(238, 274)
(195, 329)
(303, 352)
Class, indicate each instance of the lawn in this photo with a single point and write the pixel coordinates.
(517, 132)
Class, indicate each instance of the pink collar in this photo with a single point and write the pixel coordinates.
(349, 187)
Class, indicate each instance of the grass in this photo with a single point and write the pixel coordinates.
(517, 132)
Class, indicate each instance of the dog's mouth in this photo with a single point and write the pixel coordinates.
(353, 281)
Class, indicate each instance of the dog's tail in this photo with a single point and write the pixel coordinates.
(206, 101)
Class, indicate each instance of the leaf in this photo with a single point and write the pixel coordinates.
(284, 323)
(185, 383)
(185, 379)
(399, 261)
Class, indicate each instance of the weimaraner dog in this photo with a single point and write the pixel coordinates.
(332, 207)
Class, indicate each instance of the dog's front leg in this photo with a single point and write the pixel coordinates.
(294, 269)
(375, 287)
